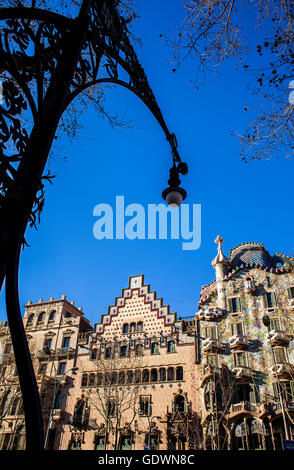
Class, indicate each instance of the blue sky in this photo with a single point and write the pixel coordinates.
(242, 202)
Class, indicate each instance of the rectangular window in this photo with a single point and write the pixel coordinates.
(66, 341)
(111, 408)
(8, 348)
(211, 332)
(274, 324)
(237, 329)
(269, 300)
(235, 304)
(280, 355)
(47, 343)
(145, 405)
(61, 368)
(291, 292)
(123, 351)
(240, 359)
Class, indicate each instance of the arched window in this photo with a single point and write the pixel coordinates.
(92, 380)
(145, 375)
(84, 382)
(153, 375)
(99, 379)
(41, 318)
(154, 348)
(171, 347)
(121, 377)
(14, 406)
(113, 377)
(137, 376)
(108, 352)
(80, 414)
(52, 316)
(170, 373)
(107, 378)
(180, 403)
(18, 438)
(139, 326)
(125, 328)
(130, 376)
(133, 327)
(139, 349)
(162, 374)
(179, 373)
(30, 319)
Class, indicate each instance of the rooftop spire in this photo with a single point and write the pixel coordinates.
(220, 257)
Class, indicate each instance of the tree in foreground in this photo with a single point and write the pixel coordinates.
(216, 30)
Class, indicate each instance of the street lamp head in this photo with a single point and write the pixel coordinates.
(266, 320)
(174, 195)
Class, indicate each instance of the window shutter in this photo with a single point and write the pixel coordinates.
(276, 390)
(238, 304)
(265, 301)
(230, 305)
(273, 299)
(252, 393)
(292, 390)
(149, 408)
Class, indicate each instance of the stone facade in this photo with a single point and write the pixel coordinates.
(143, 377)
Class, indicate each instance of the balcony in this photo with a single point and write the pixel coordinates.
(249, 286)
(239, 342)
(57, 415)
(211, 345)
(208, 371)
(44, 353)
(282, 370)
(210, 314)
(68, 352)
(242, 373)
(242, 407)
(277, 338)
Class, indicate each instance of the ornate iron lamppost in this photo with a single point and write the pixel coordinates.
(46, 61)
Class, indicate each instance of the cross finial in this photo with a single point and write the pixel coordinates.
(220, 257)
(219, 240)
